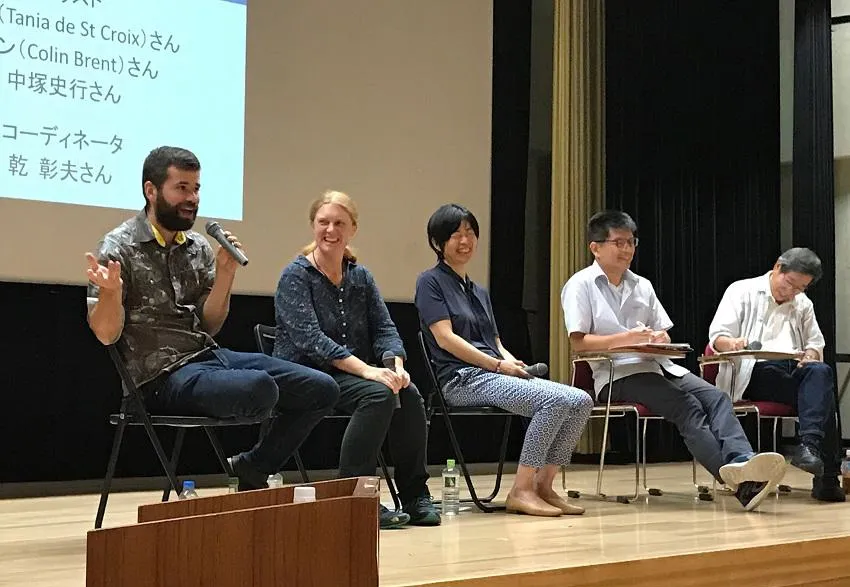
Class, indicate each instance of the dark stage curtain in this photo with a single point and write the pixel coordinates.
(813, 182)
(511, 79)
(692, 152)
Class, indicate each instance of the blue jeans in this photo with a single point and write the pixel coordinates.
(230, 384)
(811, 390)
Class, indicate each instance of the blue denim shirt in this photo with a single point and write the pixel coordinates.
(319, 322)
(441, 294)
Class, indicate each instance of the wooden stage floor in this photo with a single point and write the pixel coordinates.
(673, 539)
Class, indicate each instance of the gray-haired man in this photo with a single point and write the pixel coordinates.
(774, 310)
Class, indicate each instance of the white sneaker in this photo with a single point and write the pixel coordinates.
(767, 468)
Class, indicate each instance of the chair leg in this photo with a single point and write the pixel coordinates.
(503, 451)
(643, 455)
(219, 451)
(160, 453)
(602, 453)
(300, 464)
(110, 472)
(775, 426)
(651, 490)
(389, 480)
(175, 458)
(637, 455)
(478, 503)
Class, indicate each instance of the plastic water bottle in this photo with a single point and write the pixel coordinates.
(188, 490)
(451, 490)
(275, 481)
(845, 472)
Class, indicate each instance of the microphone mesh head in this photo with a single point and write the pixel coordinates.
(212, 226)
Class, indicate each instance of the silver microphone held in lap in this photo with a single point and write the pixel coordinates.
(537, 370)
(388, 359)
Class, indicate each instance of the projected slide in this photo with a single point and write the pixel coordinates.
(89, 87)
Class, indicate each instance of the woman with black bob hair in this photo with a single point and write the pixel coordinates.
(475, 369)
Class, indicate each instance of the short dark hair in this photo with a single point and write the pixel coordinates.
(801, 260)
(155, 168)
(444, 222)
(602, 223)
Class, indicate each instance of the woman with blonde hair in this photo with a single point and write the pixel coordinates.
(331, 316)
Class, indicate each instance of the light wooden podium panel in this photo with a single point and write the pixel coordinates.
(248, 539)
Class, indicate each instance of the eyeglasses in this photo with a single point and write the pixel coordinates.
(622, 243)
(793, 286)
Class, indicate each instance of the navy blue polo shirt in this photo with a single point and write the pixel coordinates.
(442, 294)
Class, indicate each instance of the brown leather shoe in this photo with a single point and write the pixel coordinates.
(566, 508)
(536, 507)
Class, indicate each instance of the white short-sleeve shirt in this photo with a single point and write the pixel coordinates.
(592, 305)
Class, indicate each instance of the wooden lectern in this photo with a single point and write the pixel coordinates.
(253, 538)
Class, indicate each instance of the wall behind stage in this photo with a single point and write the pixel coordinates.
(389, 100)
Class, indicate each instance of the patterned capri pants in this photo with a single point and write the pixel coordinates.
(558, 412)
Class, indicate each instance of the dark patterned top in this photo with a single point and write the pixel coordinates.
(164, 293)
(319, 322)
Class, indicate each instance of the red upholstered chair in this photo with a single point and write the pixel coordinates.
(583, 379)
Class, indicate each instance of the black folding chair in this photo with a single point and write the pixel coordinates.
(264, 337)
(483, 503)
(134, 413)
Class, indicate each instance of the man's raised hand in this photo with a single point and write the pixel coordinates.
(105, 277)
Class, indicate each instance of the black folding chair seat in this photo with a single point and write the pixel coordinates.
(134, 413)
(472, 410)
(180, 421)
(447, 411)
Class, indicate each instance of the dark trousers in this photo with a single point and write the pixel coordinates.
(809, 389)
(373, 412)
(701, 413)
(231, 384)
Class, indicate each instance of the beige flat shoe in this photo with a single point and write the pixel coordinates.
(566, 508)
(537, 507)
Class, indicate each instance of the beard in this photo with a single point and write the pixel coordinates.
(169, 216)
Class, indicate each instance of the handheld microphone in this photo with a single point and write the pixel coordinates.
(537, 370)
(753, 346)
(215, 230)
(388, 359)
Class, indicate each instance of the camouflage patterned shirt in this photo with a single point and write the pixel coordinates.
(165, 288)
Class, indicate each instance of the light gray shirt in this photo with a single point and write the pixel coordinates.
(591, 307)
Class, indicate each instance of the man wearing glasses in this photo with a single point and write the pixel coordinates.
(607, 306)
(772, 313)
